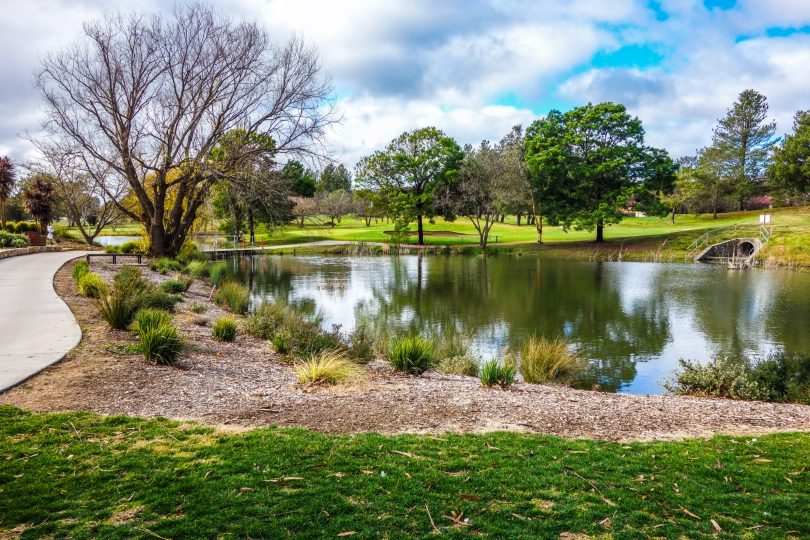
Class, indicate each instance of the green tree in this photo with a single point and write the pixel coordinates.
(300, 180)
(7, 180)
(408, 172)
(333, 178)
(743, 139)
(712, 172)
(589, 162)
(38, 195)
(687, 193)
(790, 169)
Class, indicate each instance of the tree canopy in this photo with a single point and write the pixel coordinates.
(333, 178)
(408, 171)
(299, 179)
(7, 180)
(790, 169)
(589, 163)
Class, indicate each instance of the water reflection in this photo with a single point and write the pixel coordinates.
(632, 320)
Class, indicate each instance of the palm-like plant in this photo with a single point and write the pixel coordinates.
(7, 179)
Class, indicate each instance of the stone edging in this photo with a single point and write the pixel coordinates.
(6, 253)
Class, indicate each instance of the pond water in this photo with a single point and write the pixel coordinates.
(105, 241)
(633, 321)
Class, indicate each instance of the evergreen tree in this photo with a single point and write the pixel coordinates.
(790, 169)
(333, 178)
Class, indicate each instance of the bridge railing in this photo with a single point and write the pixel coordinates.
(726, 233)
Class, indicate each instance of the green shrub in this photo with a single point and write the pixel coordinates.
(326, 367)
(91, 285)
(198, 307)
(224, 329)
(11, 240)
(361, 343)
(112, 249)
(495, 373)
(133, 246)
(190, 252)
(175, 286)
(411, 354)
(160, 300)
(269, 317)
(291, 330)
(25, 226)
(164, 265)
(80, 269)
(720, 377)
(149, 318)
(217, 273)
(233, 296)
(281, 343)
(786, 376)
(197, 269)
(161, 344)
(548, 360)
(459, 365)
(449, 343)
(118, 307)
(130, 278)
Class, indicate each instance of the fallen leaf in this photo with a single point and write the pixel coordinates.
(716, 526)
(346, 533)
(406, 454)
(688, 513)
(763, 460)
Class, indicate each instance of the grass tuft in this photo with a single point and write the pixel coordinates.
(459, 365)
(161, 344)
(224, 329)
(233, 296)
(495, 373)
(545, 360)
(326, 367)
(411, 354)
(91, 285)
(149, 318)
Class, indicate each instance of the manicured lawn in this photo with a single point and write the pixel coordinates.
(86, 476)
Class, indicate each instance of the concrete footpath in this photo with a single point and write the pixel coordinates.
(36, 326)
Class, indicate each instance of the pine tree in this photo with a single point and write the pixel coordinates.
(744, 138)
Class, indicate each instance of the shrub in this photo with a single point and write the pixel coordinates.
(118, 307)
(112, 249)
(459, 365)
(133, 246)
(201, 321)
(786, 376)
(720, 377)
(80, 269)
(198, 307)
(149, 318)
(197, 269)
(233, 296)
(91, 285)
(269, 317)
(548, 360)
(164, 265)
(361, 343)
(217, 273)
(130, 278)
(224, 329)
(190, 252)
(495, 373)
(11, 240)
(411, 354)
(159, 300)
(281, 343)
(449, 343)
(161, 344)
(327, 367)
(175, 286)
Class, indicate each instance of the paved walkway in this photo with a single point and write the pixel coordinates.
(36, 326)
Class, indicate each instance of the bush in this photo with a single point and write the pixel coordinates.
(11, 240)
(112, 249)
(175, 286)
(197, 269)
(327, 367)
(270, 317)
(495, 373)
(411, 354)
(217, 273)
(164, 265)
(459, 365)
(130, 278)
(233, 296)
(449, 343)
(149, 318)
(198, 307)
(721, 377)
(781, 377)
(80, 269)
(291, 330)
(133, 246)
(548, 360)
(281, 343)
(160, 300)
(361, 343)
(190, 252)
(91, 285)
(161, 344)
(118, 307)
(224, 329)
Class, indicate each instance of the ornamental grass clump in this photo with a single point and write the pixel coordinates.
(118, 307)
(217, 273)
(175, 285)
(545, 360)
(149, 318)
(326, 367)
(495, 373)
(197, 269)
(233, 296)
(161, 344)
(411, 354)
(91, 285)
(164, 265)
(459, 365)
(224, 329)
(79, 269)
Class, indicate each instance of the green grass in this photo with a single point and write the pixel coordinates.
(79, 475)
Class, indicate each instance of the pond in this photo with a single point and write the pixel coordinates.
(633, 321)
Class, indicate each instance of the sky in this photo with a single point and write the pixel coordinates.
(476, 68)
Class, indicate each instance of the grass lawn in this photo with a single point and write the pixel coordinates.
(85, 476)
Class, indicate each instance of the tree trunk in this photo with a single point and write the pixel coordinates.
(672, 217)
(518, 220)
(251, 227)
(538, 222)
(600, 230)
(421, 231)
(3, 215)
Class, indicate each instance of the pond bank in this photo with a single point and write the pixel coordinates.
(245, 385)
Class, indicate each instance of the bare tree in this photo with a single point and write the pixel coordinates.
(304, 208)
(147, 98)
(335, 205)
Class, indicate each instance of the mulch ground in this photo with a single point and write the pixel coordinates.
(245, 384)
